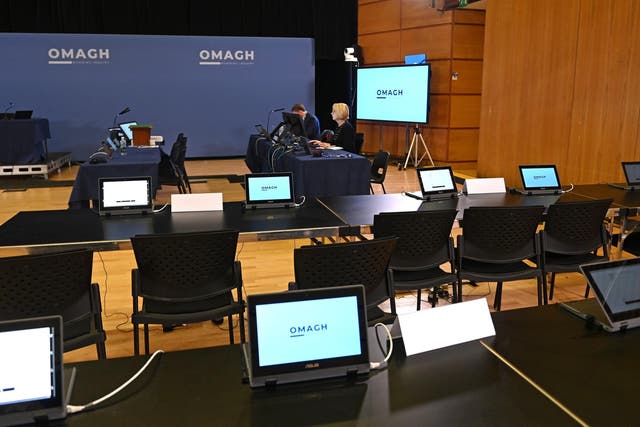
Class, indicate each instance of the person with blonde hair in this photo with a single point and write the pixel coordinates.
(344, 135)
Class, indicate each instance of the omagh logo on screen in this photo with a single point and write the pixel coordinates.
(226, 57)
(76, 56)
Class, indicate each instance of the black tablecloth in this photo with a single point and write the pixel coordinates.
(136, 162)
(21, 141)
(336, 173)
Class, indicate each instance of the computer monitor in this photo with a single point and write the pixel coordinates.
(125, 195)
(293, 123)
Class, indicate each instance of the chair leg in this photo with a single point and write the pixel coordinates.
(243, 338)
(371, 189)
(586, 291)
(102, 350)
(542, 289)
(230, 319)
(146, 338)
(454, 287)
(419, 302)
(136, 340)
(552, 283)
(497, 301)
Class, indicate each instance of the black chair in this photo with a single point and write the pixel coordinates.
(496, 243)
(573, 233)
(353, 263)
(424, 244)
(172, 170)
(358, 140)
(55, 284)
(379, 170)
(185, 278)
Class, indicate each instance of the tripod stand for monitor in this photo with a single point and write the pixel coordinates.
(413, 150)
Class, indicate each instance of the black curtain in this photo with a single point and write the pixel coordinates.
(332, 23)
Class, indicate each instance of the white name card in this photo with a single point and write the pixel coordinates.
(196, 202)
(484, 186)
(440, 327)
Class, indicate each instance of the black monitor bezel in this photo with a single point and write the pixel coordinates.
(289, 175)
(125, 209)
(304, 295)
(626, 175)
(54, 406)
(588, 269)
(436, 192)
(524, 184)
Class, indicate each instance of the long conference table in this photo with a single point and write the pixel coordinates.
(543, 367)
(37, 231)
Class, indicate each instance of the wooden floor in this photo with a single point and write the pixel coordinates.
(266, 266)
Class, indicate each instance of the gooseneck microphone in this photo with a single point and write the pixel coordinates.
(115, 118)
(275, 110)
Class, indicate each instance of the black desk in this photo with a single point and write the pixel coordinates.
(136, 162)
(21, 141)
(359, 210)
(461, 385)
(41, 231)
(590, 371)
(336, 173)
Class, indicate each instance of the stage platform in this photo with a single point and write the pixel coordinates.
(54, 162)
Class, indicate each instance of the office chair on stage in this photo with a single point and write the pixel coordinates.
(424, 244)
(55, 284)
(572, 235)
(500, 244)
(186, 278)
(354, 263)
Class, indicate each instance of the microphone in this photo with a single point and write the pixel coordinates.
(269, 115)
(115, 118)
(9, 107)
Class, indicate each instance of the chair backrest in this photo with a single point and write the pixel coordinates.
(575, 227)
(352, 263)
(423, 236)
(51, 284)
(178, 271)
(358, 140)
(500, 234)
(379, 165)
(179, 150)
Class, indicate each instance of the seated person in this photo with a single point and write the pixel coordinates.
(310, 122)
(344, 135)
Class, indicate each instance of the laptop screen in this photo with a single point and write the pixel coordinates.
(31, 370)
(269, 188)
(126, 195)
(631, 172)
(436, 180)
(305, 330)
(617, 287)
(540, 177)
(126, 129)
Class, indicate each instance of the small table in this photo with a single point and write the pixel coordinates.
(136, 162)
(22, 141)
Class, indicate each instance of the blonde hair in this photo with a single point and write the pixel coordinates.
(341, 110)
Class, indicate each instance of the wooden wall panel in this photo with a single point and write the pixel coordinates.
(463, 145)
(606, 108)
(434, 41)
(440, 76)
(416, 13)
(381, 48)
(527, 90)
(469, 76)
(378, 17)
(468, 41)
(465, 16)
(465, 111)
(437, 141)
(440, 109)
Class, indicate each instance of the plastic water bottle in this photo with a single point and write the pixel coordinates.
(123, 146)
